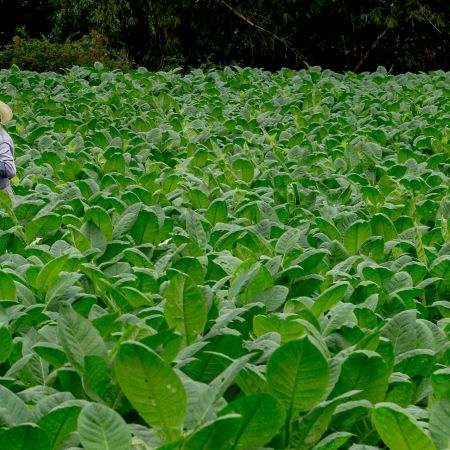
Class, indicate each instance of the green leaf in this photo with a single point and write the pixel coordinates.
(79, 338)
(217, 212)
(145, 228)
(399, 430)
(441, 269)
(250, 283)
(12, 409)
(5, 201)
(355, 236)
(440, 381)
(398, 281)
(6, 344)
(52, 353)
(287, 329)
(439, 423)
(300, 384)
(94, 235)
(315, 422)
(333, 441)
(273, 298)
(365, 371)
(50, 272)
(192, 268)
(59, 424)
(400, 330)
(262, 417)
(203, 398)
(383, 226)
(24, 437)
(101, 428)
(96, 378)
(329, 298)
(328, 228)
(152, 387)
(217, 435)
(7, 287)
(244, 169)
(185, 308)
(115, 163)
(287, 241)
(198, 198)
(195, 229)
(42, 226)
(101, 219)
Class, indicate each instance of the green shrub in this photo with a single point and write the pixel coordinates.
(43, 55)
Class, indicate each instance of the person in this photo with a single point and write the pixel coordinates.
(7, 165)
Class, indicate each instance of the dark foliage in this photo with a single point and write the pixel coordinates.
(402, 35)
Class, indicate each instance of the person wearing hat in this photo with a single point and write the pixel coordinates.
(7, 165)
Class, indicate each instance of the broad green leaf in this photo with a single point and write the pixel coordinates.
(328, 228)
(287, 241)
(244, 169)
(59, 424)
(52, 353)
(13, 410)
(201, 405)
(261, 418)
(94, 236)
(401, 331)
(355, 236)
(440, 381)
(383, 226)
(195, 229)
(441, 269)
(152, 387)
(79, 338)
(115, 163)
(50, 272)
(273, 298)
(250, 283)
(100, 217)
(42, 226)
(400, 430)
(439, 423)
(218, 435)
(7, 287)
(217, 212)
(101, 428)
(287, 329)
(185, 308)
(300, 384)
(191, 267)
(398, 281)
(366, 372)
(415, 362)
(24, 437)
(315, 422)
(96, 377)
(145, 228)
(333, 441)
(5, 201)
(6, 344)
(329, 298)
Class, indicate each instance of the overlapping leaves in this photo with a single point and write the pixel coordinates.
(232, 259)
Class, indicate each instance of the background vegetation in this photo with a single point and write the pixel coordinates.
(402, 35)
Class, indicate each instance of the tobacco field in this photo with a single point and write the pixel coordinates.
(226, 260)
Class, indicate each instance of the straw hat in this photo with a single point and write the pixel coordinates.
(5, 113)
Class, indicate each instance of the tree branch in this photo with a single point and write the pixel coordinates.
(261, 29)
(371, 49)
